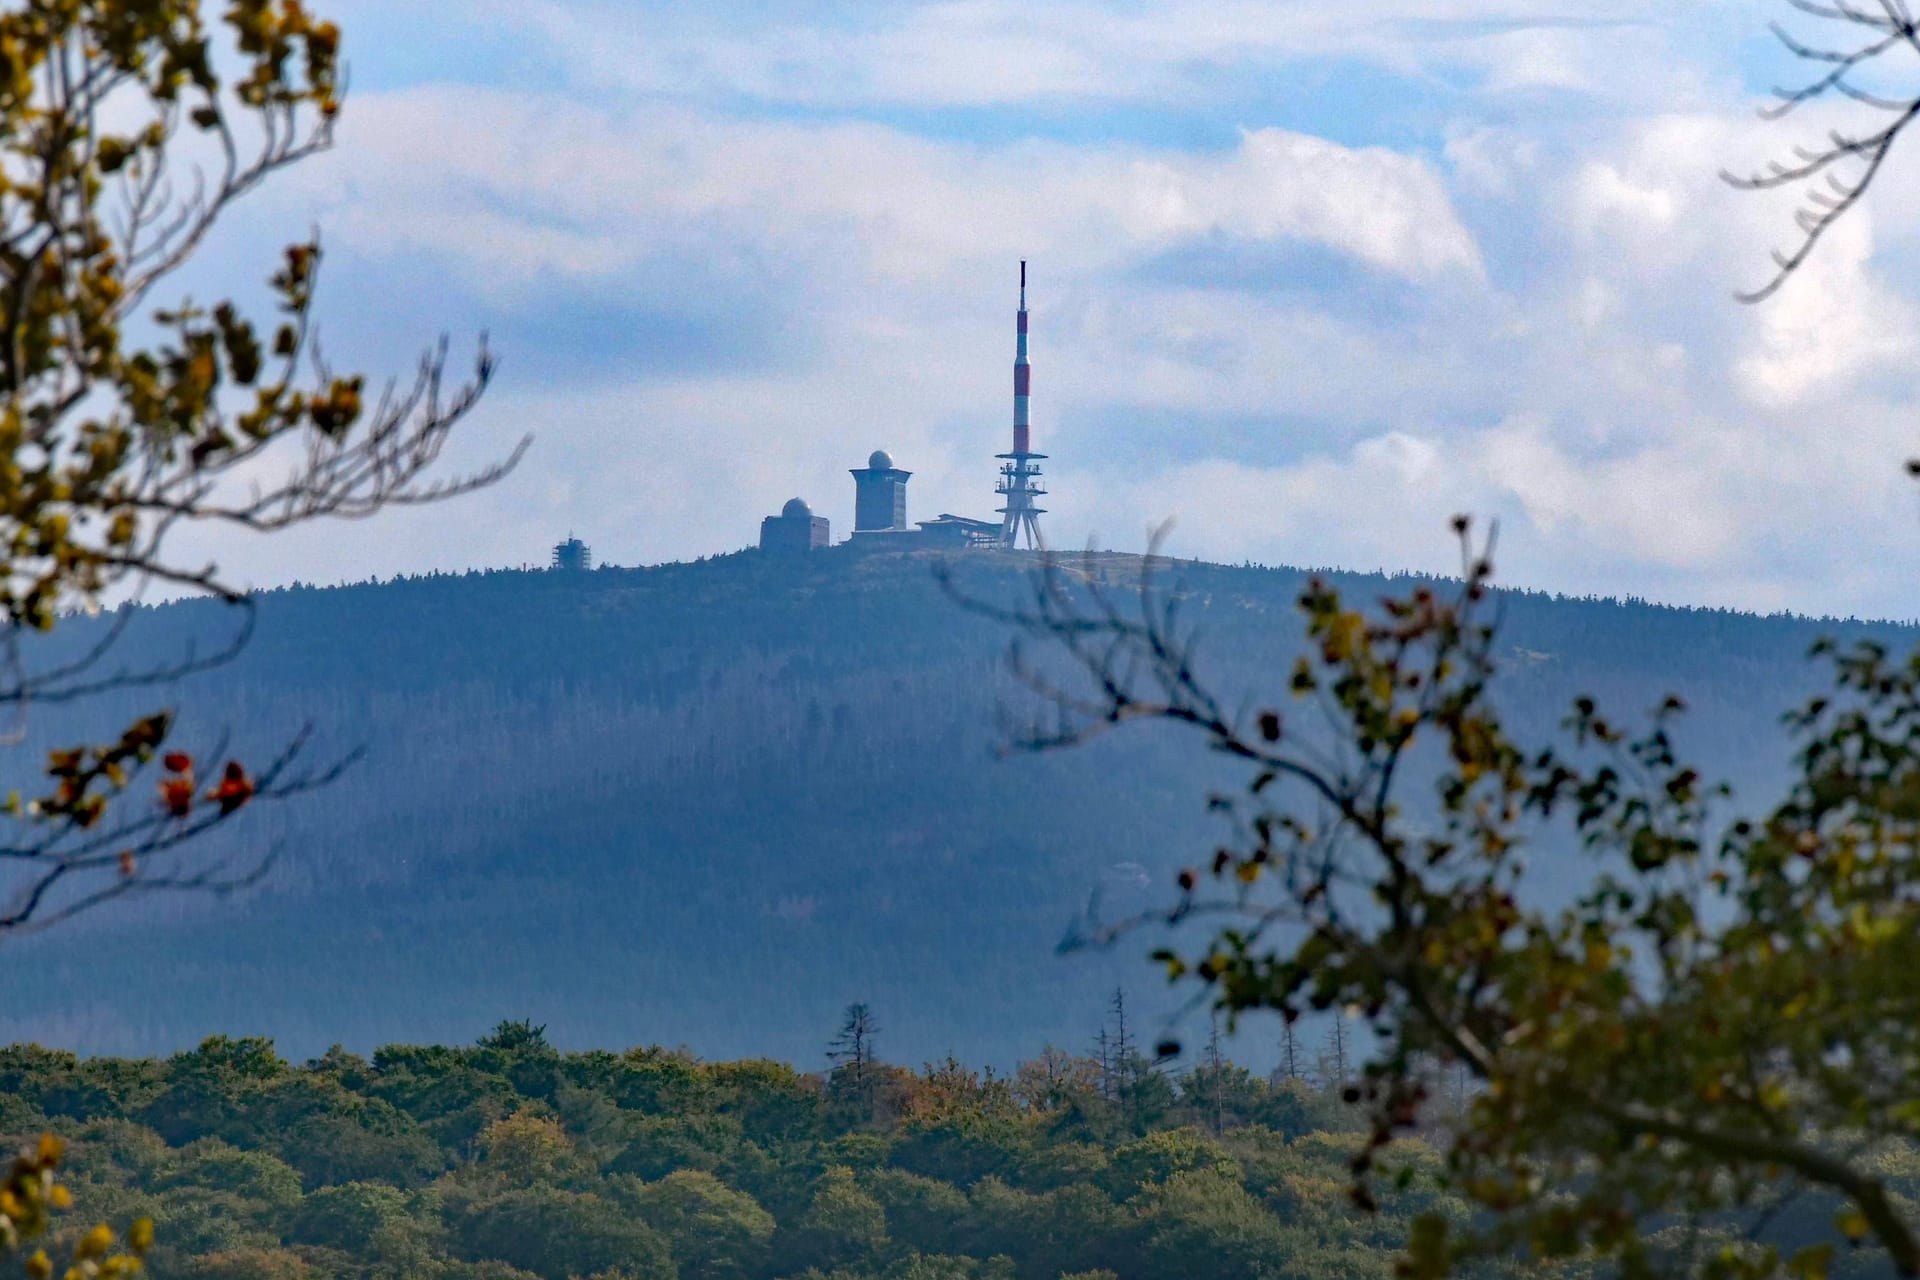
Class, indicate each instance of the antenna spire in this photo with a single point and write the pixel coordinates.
(1019, 478)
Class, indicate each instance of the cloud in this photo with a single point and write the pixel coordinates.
(1655, 220)
(556, 188)
(1833, 324)
(972, 53)
(1390, 210)
(1634, 429)
(1677, 520)
(1491, 161)
(730, 266)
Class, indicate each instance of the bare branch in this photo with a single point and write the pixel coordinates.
(1846, 164)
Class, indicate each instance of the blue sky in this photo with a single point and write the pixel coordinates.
(1308, 277)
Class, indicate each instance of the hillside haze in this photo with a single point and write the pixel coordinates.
(711, 804)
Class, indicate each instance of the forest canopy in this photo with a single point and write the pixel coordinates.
(508, 1160)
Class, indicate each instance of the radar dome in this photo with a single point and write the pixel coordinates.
(796, 509)
(880, 461)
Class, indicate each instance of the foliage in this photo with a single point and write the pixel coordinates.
(642, 649)
(713, 1230)
(772, 1178)
(1157, 1157)
(30, 1200)
(843, 1223)
(556, 1234)
(121, 422)
(517, 1037)
(525, 1148)
(247, 1264)
(1717, 1024)
(112, 440)
(347, 1216)
(252, 1176)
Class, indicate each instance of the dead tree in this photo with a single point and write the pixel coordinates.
(852, 1055)
(1289, 1050)
(1336, 1062)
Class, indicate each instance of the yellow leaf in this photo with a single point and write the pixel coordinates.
(95, 1243)
(1811, 1263)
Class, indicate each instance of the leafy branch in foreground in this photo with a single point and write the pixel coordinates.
(30, 1199)
(1719, 1016)
(127, 128)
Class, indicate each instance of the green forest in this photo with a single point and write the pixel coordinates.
(508, 1160)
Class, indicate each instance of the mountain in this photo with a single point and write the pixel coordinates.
(711, 804)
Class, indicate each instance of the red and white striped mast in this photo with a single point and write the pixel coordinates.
(1019, 476)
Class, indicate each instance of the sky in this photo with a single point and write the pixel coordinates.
(1307, 278)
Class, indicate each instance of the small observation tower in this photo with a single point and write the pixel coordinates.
(880, 495)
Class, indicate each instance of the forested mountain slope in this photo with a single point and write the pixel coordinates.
(714, 803)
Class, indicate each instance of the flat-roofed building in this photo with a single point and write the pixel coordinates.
(795, 531)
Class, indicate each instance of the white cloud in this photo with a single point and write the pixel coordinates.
(1534, 324)
(1832, 323)
(1658, 222)
(1668, 505)
(1491, 161)
(1385, 504)
(557, 187)
(1607, 195)
(1677, 521)
(977, 52)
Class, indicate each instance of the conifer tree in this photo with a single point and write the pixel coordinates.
(852, 1054)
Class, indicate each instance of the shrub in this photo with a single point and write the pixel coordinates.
(254, 1176)
(842, 1224)
(716, 1232)
(525, 1148)
(1158, 1156)
(558, 1234)
(347, 1216)
(247, 1264)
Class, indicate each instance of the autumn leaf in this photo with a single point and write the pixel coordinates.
(234, 790)
(176, 794)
